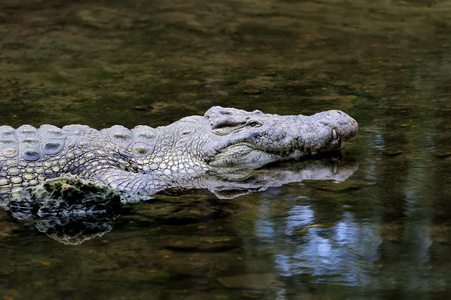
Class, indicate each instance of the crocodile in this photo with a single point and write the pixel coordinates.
(148, 160)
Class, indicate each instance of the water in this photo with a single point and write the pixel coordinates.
(384, 233)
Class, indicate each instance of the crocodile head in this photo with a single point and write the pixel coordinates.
(229, 138)
(253, 139)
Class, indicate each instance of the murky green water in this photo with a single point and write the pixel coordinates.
(385, 233)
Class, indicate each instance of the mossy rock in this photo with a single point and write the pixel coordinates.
(68, 209)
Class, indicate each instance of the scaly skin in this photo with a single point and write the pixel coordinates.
(146, 159)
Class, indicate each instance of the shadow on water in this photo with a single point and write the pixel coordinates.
(384, 233)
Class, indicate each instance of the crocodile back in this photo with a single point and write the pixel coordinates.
(29, 155)
(139, 141)
(29, 143)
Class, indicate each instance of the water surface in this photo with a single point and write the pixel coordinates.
(382, 234)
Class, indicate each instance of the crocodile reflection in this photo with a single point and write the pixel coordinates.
(72, 210)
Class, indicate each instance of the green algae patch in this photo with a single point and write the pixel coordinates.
(204, 244)
(252, 91)
(443, 154)
(143, 276)
(392, 152)
(332, 186)
(248, 281)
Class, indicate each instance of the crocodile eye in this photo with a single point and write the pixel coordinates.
(254, 124)
(229, 126)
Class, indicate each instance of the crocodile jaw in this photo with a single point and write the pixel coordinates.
(254, 139)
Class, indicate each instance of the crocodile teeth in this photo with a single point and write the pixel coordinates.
(334, 134)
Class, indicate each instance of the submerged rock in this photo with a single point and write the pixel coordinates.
(68, 209)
